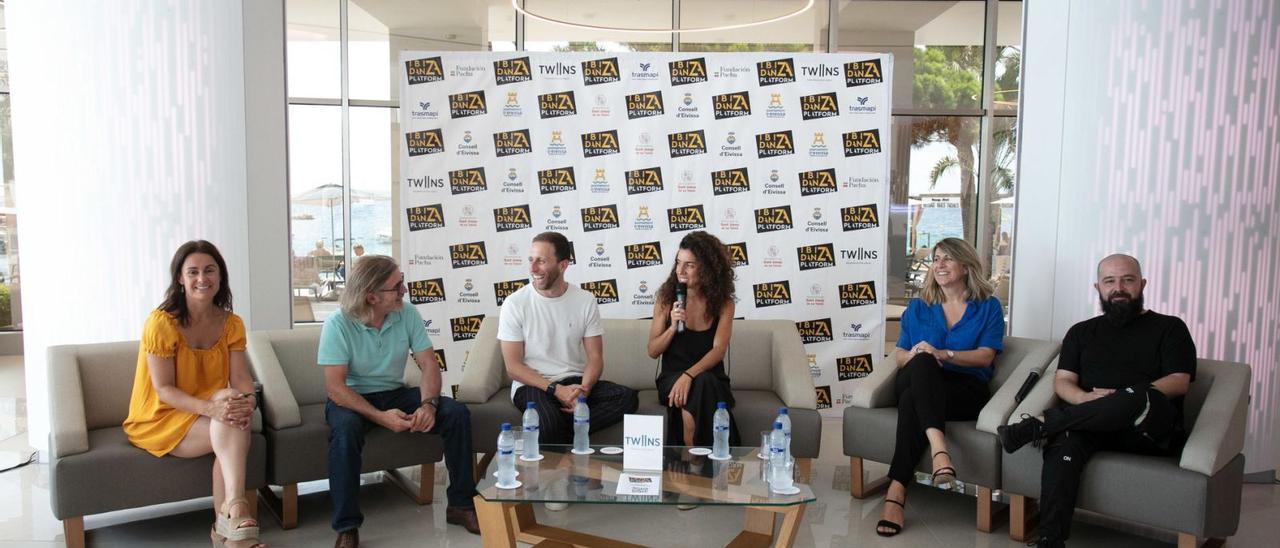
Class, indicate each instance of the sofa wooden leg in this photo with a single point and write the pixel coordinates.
(423, 492)
(482, 461)
(251, 497)
(987, 516)
(285, 507)
(858, 486)
(804, 467)
(73, 532)
(1188, 540)
(1021, 512)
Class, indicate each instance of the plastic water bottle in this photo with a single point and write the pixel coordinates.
(779, 480)
(506, 456)
(720, 426)
(530, 432)
(581, 426)
(785, 419)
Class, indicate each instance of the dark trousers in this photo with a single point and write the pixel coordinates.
(928, 396)
(1076, 432)
(608, 402)
(347, 430)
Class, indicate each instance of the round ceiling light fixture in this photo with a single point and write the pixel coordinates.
(516, 4)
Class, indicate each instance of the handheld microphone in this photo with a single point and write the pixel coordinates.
(681, 290)
(1027, 385)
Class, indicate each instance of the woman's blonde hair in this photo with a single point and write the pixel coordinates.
(977, 286)
(367, 277)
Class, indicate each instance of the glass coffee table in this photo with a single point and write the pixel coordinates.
(506, 515)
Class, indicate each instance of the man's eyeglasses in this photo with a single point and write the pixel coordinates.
(398, 288)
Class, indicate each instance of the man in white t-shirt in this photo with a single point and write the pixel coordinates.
(552, 343)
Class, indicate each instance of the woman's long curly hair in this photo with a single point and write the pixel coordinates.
(715, 270)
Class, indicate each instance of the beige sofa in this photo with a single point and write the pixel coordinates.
(89, 390)
(766, 362)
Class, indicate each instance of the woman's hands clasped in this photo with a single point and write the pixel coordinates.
(231, 407)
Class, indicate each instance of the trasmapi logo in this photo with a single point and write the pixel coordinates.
(688, 71)
(781, 71)
(640, 181)
(555, 105)
(600, 71)
(430, 141)
(425, 217)
(686, 218)
(777, 143)
(687, 143)
(821, 105)
(643, 105)
(426, 291)
(463, 181)
(730, 181)
(772, 293)
(861, 73)
(421, 71)
(857, 294)
(471, 103)
(509, 71)
(644, 254)
(469, 254)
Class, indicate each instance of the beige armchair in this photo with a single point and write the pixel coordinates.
(870, 424)
(89, 390)
(1196, 494)
(284, 361)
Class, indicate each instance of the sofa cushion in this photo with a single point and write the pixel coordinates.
(750, 356)
(307, 454)
(106, 377)
(115, 475)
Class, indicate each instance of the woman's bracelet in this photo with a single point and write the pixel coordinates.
(686, 373)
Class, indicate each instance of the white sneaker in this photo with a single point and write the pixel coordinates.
(557, 506)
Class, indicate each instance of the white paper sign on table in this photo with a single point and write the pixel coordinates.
(642, 443)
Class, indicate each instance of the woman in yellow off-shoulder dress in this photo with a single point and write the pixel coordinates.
(192, 392)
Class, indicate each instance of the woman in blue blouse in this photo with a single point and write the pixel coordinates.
(949, 340)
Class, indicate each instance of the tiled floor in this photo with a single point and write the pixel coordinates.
(935, 518)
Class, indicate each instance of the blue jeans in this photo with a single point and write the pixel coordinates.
(347, 430)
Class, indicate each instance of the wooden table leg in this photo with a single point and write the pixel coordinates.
(496, 528)
(790, 528)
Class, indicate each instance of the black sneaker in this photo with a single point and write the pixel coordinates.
(1047, 542)
(1013, 437)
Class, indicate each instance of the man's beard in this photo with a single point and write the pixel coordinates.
(1123, 311)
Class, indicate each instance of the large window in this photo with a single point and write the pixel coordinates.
(955, 98)
(10, 288)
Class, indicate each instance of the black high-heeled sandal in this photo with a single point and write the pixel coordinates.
(894, 528)
(945, 475)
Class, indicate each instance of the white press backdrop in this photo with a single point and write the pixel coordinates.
(781, 156)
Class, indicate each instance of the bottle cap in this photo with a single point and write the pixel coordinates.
(721, 405)
(582, 399)
(528, 405)
(782, 410)
(506, 426)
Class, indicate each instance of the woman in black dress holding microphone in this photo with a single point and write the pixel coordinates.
(692, 323)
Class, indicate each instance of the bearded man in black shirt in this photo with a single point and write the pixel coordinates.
(1121, 377)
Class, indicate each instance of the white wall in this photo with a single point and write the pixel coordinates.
(1153, 128)
(130, 137)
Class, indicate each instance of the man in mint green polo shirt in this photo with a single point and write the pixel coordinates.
(363, 348)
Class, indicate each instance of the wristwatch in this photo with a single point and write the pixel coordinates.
(951, 355)
(433, 402)
(551, 388)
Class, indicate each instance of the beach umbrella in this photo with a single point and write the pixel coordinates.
(330, 195)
